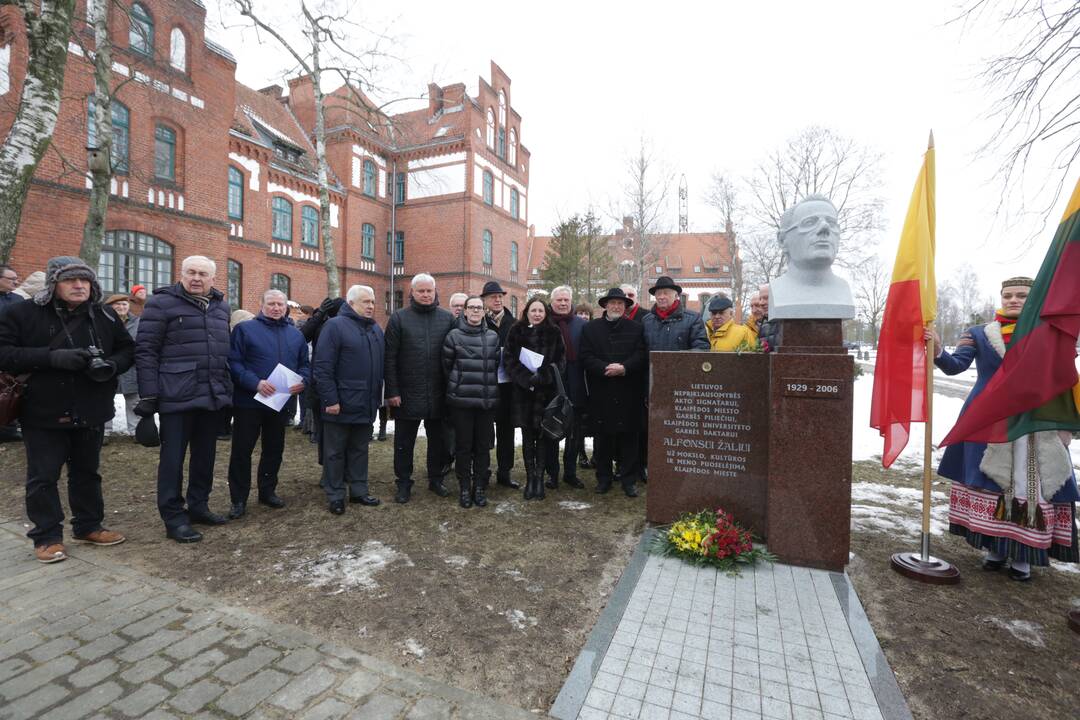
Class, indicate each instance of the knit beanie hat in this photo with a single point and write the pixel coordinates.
(66, 267)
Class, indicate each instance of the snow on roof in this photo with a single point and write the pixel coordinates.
(442, 131)
(265, 125)
(220, 50)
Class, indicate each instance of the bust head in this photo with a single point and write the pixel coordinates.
(810, 233)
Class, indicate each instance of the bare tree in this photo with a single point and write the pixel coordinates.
(722, 195)
(969, 295)
(48, 27)
(1035, 106)
(643, 200)
(872, 282)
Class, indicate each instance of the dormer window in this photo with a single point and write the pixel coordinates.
(286, 153)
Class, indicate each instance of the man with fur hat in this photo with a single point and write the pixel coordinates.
(72, 351)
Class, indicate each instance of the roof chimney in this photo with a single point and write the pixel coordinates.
(273, 91)
(435, 99)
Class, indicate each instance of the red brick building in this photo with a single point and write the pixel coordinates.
(205, 165)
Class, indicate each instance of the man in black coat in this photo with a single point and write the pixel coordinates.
(415, 386)
(499, 319)
(613, 353)
(73, 350)
(181, 358)
(570, 326)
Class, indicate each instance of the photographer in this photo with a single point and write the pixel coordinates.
(73, 352)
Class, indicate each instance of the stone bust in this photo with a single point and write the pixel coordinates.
(810, 237)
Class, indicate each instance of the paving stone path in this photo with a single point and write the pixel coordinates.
(88, 638)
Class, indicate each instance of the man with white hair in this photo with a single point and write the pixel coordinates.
(457, 303)
(348, 375)
(182, 362)
(571, 326)
(634, 311)
(256, 348)
(415, 386)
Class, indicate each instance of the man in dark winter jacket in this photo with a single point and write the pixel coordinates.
(181, 357)
(257, 347)
(415, 386)
(499, 319)
(570, 325)
(613, 353)
(348, 373)
(73, 352)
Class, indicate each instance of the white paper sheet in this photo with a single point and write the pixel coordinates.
(282, 378)
(530, 359)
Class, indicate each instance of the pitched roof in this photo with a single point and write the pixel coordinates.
(257, 111)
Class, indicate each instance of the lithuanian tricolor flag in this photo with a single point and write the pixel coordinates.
(1036, 386)
(900, 370)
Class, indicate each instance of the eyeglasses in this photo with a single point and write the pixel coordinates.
(474, 307)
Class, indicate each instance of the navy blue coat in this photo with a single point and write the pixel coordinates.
(256, 349)
(182, 352)
(681, 330)
(348, 367)
(574, 372)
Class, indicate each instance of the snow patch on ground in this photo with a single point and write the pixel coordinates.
(519, 620)
(1065, 567)
(866, 442)
(507, 507)
(899, 511)
(347, 568)
(457, 561)
(1023, 630)
(574, 505)
(412, 647)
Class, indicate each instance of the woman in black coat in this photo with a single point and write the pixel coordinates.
(533, 390)
(471, 365)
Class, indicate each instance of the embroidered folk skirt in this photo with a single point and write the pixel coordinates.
(971, 516)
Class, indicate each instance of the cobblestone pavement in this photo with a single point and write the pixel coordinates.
(88, 638)
(774, 642)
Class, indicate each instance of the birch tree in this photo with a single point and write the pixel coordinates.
(101, 173)
(47, 27)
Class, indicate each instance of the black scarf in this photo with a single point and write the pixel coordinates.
(563, 321)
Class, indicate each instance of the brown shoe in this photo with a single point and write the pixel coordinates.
(102, 537)
(50, 553)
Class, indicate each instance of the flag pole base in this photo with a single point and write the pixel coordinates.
(932, 570)
(1074, 620)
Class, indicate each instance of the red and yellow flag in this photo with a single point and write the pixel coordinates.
(900, 370)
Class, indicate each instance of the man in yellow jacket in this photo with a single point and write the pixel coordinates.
(724, 334)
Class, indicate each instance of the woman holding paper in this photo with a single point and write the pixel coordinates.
(534, 349)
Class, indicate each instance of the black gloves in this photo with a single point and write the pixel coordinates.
(146, 407)
(326, 305)
(65, 359)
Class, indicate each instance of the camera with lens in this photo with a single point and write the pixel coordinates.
(99, 369)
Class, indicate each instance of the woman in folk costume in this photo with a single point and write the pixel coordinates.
(1016, 499)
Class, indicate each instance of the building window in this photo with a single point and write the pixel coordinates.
(487, 247)
(282, 219)
(502, 108)
(369, 178)
(399, 247)
(279, 281)
(141, 34)
(399, 299)
(514, 203)
(513, 306)
(130, 258)
(309, 226)
(236, 275)
(489, 188)
(120, 127)
(178, 49)
(367, 245)
(490, 129)
(236, 194)
(164, 153)
(513, 147)
(513, 257)
(399, 189)
(501, 149)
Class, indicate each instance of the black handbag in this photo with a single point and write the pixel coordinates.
(12, 387)
(559, 413)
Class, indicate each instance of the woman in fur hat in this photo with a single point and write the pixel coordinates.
(533, 390)
(1016, 500)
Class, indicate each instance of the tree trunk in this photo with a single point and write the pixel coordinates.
(39, 106)
(101, 176)
(333, 282)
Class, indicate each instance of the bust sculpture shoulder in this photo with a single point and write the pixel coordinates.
(810, 236)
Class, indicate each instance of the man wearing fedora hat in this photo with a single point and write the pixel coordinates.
(499, 319)
(613, 355)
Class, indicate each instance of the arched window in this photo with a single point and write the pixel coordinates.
(309, 226)
(514, 203)
(130, 258)
(487, 247)
(367, 245)
(490, 128)
(120, 127)
(235, 271)
(279, 281)
(281, 226)
(513, 147)
(178, 49)
(489, 188)
(501, 149)
(502, 108)
(236, 194)
(164, 153)
(369, 178)
(513, 257)
(141, 33)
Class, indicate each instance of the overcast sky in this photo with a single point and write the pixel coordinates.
(715, 86)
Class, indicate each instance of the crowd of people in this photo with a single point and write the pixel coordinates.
(472, 375)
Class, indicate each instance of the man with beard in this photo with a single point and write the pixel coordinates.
(570, 325)
(415, 386)
(499, 319)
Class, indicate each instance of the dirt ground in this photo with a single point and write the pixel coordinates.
(497, 600)
(985, 648)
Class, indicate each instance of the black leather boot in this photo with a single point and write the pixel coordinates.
(480, 491)
(464, 492)
(530, 480)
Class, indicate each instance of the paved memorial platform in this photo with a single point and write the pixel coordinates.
(681, 642)
(87, 638)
